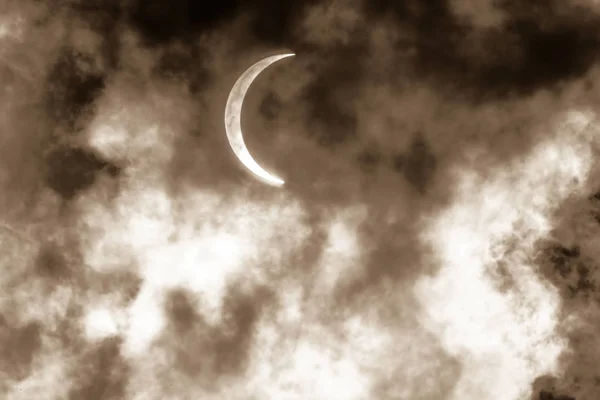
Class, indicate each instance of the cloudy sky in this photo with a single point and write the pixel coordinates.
(438, 236)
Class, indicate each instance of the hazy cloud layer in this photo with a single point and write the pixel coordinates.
(437, 237)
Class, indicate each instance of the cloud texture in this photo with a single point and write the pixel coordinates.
(437, 237)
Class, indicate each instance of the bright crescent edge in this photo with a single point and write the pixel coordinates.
(233, 112)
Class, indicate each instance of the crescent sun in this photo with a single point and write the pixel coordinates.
(233, 119)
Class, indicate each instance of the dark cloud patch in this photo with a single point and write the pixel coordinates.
(160, 22)
(543, 54)
(104, 18)
(562, 258)
(100, 373)
(270, 106)
(183, 64)
(562, 52)
(272, 22)
(595, 211)
(66, 70)
(585, 284)
(71, 170)
(398, 161)
(127, 284)
(189, 338)
(369, 159)
(545, 388)
(181, 311)
(335, 126)
(571, 272)
(328, 97)
(73, 85)
(573, 269)
(241, 312)
(20, 344)
(51, 269)
(69, 328)
(206, 352)
(537, 47)
(431, 29)
(420, 13)
(71, 89)
(52, 265)
(391, 259)
(418, 165)
(550, 396)
(123, 284)
(89, 53)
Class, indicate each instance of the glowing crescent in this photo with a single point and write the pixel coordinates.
(233, 117)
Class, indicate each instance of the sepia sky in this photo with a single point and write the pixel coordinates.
(437, 238)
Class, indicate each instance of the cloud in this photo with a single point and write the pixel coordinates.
(423, 247)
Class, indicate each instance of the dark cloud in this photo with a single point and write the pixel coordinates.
(241, 313)
(270, 106)
(418, 165)
(549, 396)
(207, 352)
(271, 22)
(540, 45)
(391, 258)
(369, 159)
(51, 264)
(21, 343)
(328, 96)
(574, 271)
(75, 81)
(181, 311)
(123, 284)
(72, 90)
(274, 21)
(72, 170)
(160, 22)
(544, 388)
(183, 64)
(100, 372)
